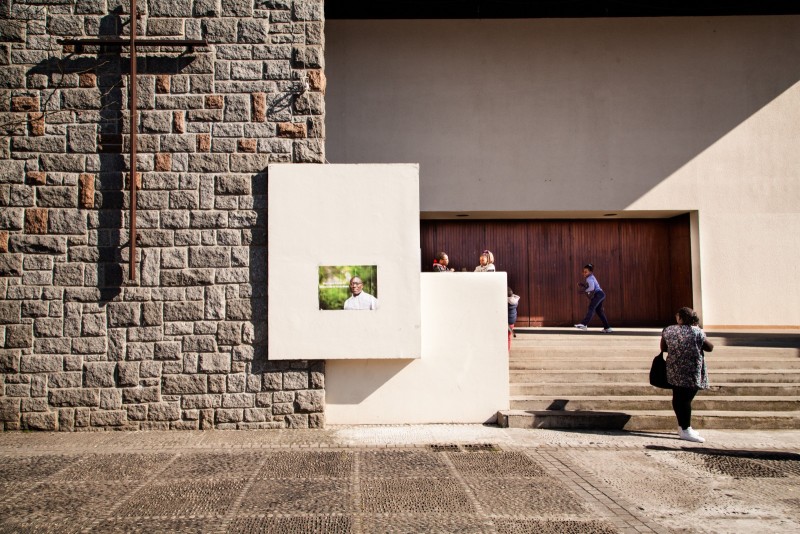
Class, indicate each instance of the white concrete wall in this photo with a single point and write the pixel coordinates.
(462, 376)
(562, 118)
(343, 215)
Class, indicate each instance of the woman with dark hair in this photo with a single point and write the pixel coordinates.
(685, 344)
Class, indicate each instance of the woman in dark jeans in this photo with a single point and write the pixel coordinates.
(685, 344)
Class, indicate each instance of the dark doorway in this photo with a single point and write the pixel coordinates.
(643, 265)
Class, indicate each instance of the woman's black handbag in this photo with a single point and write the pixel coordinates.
(658, 372)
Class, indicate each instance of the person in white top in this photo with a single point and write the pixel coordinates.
(360, 299)
(486, 260)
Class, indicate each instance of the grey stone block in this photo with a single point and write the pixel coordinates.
(231, 185)
(238, 400)
(141, 395)
(239, 310)
(253, 163)
(295, 380)
(296, 421)
(272, 381)
(183, 311)
(68, 274)
(214, 303)
(214, 363)
(9, 361)
(82, 138)
(19, 336)
(255, 31)
(63, 162)
(173, 8)
(121, 314)
(110, 399)
(99, 374)
(174, 258)
(199, 402)
(163, 411)
(219, 30)
(187, 277)
(150, 369)
(236, 382)
(31, 363)
(310, 401)
(139, 351)
(64, 379)
(57, 197)
(136, 412)
(62, 398)
(93, 325)
(208, 163)
(229, 415)
(66, 25)
(89, 345)
(10, 264)
(66, 221)
(184, 384)
(209, 257)
(10, 312)
(9, 409)
(128, 374)
(105, 418)
(12, 171)
(207, 8)
(11, 219)
(40, 421)
(35, 244)
(156, 122)
(208, 219)
(48, 327)
(243, 219)
(229, 333)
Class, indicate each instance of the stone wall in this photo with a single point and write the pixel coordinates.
(184, 346)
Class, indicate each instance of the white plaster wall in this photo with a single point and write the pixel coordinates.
(343, 215)
(462, 376)
(555, 117)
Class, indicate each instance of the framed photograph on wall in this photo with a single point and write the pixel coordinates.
(348, 287)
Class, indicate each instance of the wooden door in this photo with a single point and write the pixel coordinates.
(643, 265)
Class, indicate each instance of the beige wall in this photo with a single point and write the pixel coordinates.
(462, 376)
(562, 118)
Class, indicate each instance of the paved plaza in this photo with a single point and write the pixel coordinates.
(399, 479)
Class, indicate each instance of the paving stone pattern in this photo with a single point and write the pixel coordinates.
(184, 347)
(420, 479)
(347, 491)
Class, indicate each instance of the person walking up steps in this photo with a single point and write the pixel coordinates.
(596, 297)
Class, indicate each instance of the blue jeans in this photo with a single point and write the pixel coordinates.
(596, 305)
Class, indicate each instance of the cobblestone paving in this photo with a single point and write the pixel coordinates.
(330, 481)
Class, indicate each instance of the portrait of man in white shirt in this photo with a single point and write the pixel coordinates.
(360, 299)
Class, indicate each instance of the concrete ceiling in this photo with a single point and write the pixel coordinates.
(469, 9)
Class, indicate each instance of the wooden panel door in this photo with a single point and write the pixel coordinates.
(643, 265)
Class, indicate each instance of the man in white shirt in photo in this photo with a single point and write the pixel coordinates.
(360, 299)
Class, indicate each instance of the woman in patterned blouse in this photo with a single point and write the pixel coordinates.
(686, 367)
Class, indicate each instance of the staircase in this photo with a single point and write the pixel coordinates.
(562, 378)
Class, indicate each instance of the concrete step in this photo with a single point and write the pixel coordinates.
(577, 376)
(594, 363)
(605, 389)
(644, 420)
(571, 351)
(654, 402)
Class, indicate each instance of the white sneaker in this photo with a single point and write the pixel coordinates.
(581, 326)
(690, 434)
(608, 330)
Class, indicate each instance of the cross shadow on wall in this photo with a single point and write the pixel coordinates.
(91, 84)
